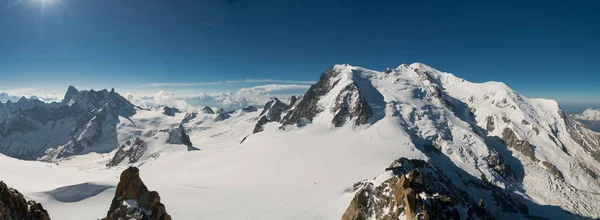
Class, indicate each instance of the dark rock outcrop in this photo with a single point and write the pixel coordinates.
(207, 110)
(222, 116)
(178, 135)
(188, 117)
(553, 170)
(271, 112)
(249, 109)
(350, 105)
(131, 152)
(497, 163)
(293, 100)
(417, 191)
(510, 138)
(490, 124)
(170, 111)
(133, 200)
(13, 206)
(306, 108)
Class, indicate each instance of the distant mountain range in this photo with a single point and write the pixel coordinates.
(455, 149)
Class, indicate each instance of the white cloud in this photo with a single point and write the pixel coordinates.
(190, 100)
(229, 82)
(589, 115)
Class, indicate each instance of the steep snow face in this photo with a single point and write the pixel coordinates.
(84, 122)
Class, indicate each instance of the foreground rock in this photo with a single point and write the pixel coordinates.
(14, 206)
(133, 200)
(418, 190)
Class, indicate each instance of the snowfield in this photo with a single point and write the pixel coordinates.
(290, 172)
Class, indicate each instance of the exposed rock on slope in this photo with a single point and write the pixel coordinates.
(271, 113)
(133, 200)
(293, 100)
(177, 135)
(511, 140)
(170, 111)
(307, 107)
(420, 191)
(130, 152)
(13, 206)
(249, 109)
(208, 110)
(350, 104)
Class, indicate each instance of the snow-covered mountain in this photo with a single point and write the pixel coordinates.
(456, 148)
(83, 122)
(590, 118)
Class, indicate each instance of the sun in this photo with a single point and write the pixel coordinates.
(45, 2)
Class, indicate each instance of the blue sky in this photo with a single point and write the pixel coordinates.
(540, 48)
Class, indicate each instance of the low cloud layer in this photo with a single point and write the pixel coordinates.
(229, 82)
(589, 115)
(192, 101)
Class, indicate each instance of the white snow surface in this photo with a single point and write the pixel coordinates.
(306, 173)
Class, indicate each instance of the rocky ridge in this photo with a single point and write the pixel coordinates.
(13, 206)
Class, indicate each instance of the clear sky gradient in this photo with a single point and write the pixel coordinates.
(545, 49)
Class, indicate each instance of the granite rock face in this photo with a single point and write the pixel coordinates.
(13, 206)
(272, 112)
(133, 200)
(306, 107)
(512, 141)
(418, 190)
(351, 105)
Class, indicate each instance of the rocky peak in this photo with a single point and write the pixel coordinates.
(71, 92)
(170, 111)
(177, 135)
(133, 200)
(221, 116)
(293, 100)
(207, 110)
(14, 206)
(307, 107)
(188, 117)
(271, 112)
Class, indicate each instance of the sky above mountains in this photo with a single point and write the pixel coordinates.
(543, 49)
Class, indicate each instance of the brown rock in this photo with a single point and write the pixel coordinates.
(133, 200)
(14, 206)
(510, 138)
